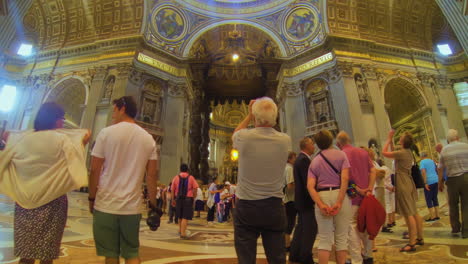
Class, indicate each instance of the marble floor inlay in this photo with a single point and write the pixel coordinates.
(215, 244)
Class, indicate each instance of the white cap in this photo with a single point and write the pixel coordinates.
(227, 183)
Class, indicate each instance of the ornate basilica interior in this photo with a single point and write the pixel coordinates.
(363, 66)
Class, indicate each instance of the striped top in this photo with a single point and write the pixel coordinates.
(454, 157)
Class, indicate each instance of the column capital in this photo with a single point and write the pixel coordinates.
(177, 89)
(292, 89)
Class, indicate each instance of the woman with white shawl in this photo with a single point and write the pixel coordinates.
(37, 169)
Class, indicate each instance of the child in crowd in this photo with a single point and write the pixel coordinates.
(199, 200)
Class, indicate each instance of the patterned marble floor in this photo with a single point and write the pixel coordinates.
(214, 244)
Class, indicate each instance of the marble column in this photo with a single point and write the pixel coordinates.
(171, 155)
(380, 117)
(205, 135)
(295, 117)
(449, 100)
(120, 87)
(195, 136)
(439, 113)
(96, 85)
(340, 100)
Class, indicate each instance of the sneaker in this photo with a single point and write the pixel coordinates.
(437, 218)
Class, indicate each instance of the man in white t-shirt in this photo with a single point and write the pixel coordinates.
(263, 152)
(120, 157)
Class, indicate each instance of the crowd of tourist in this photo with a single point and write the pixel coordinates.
(341, 194)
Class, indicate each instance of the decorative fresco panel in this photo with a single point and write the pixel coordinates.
(301, 24)
(169, 23)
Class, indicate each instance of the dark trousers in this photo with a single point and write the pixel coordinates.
(291, 213)
(211, 213)
(431, 195)
(304, 237)
(254, 218)
(172, 214)
(227, 209)
(457, 188)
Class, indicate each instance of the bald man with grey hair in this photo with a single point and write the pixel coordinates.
(263, 153)
(362, 173)
(454, 158)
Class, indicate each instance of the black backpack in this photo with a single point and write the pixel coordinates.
(183, 187)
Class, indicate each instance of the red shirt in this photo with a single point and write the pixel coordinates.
(361, 165)
(192, 184)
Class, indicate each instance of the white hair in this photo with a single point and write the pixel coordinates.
(452, 135)
(265, 112)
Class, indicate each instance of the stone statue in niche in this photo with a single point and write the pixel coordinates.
(321, 111)
(200, 50)
(148, 110)
(151, 106)
(435, 92)
(311, 109)
(268, 49)
(109, 87)
(362, 88)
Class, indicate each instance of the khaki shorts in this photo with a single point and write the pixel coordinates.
(116, 235)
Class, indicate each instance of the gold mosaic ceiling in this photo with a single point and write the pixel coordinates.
(404, 23)
(57, 23)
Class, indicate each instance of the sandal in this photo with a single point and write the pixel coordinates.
(405, 235)
(420, 241)
(408, 248)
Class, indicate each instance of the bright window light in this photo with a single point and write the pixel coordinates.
(7, 97)
(445, 49)
(25, 50)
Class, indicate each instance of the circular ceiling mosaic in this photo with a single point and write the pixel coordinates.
(235, 7)
(301, 23)
(169, 23)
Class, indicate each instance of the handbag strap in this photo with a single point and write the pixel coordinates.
(329, 163)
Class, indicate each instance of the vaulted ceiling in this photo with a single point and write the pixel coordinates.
(57, 23)
(405, 23)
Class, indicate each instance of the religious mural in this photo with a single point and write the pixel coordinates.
(301, 23)
(169, 23)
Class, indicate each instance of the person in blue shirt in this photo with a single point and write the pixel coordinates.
(431, 180)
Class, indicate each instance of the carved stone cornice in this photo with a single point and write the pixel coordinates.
(443, 82)
(292, 89)
(177, 89)
(346, 68)
(123, 70)
(97, 73)
(369, 71)
(381, 78)
(425, 78)
(136, 76)
(333, 74)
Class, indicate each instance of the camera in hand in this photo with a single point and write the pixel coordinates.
(154, 218)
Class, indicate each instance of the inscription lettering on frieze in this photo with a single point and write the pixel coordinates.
(309, 65)
(161, 65)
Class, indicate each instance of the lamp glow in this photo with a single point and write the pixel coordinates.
(235, 57)
(25, 50)
(445, 49)
(7, 97)
(234, 154)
